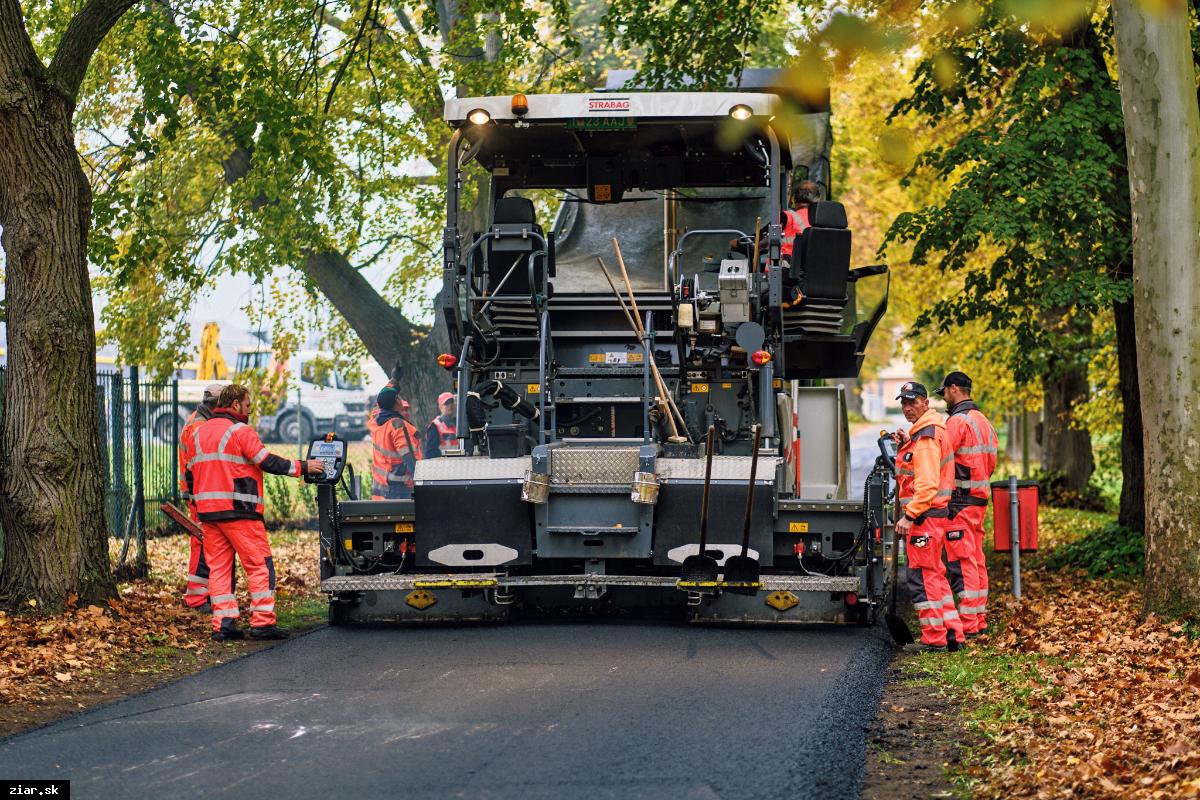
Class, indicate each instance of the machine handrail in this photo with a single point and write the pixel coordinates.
(678, 251)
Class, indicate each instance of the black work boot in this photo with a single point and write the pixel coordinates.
(227, 634)
(268, 632)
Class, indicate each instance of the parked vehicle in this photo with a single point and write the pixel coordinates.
(315, 395)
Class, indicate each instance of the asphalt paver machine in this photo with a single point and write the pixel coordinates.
(615, 365)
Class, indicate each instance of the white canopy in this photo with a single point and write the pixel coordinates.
(642, 105)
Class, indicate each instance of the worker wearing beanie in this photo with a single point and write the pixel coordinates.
(974, 443)
(196, 594)
(924, 482)
(225, 476)
(396, 448)
(441, 437)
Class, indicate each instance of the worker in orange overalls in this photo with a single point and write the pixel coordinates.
(441, 437)
(396, 448)
(225, 479)
(974, 443)
(196, 594)
(804, 194)
(924, 483)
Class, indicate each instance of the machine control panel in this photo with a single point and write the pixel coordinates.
(887, 449)
(330, 450)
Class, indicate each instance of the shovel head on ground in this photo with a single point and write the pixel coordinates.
(901, 635)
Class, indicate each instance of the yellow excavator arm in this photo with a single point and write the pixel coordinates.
(212, 363)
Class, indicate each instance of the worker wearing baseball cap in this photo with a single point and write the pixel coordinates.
(924, 482)
(974, 444)
(396, 446)
(441, 437)
(196, 594)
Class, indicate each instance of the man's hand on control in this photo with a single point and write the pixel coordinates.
(900, 437)
(314, 467)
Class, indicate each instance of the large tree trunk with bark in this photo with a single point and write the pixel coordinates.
(1162, 137)
(1066, 445)
(51, 490)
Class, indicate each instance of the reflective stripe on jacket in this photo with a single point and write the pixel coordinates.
(974, 442)
(186, 448)
(226, 465)
(794, 223)
(395, 450)
(447, 435)
(925, 469)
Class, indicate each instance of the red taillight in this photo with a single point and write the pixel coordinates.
(799, 548)
(851, 599)
(760, 357)
(447, 360)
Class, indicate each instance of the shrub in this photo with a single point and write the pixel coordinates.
(1052, 491)
(1113, 551)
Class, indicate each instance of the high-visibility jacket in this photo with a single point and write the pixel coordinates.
(441, 438)
(396, 448)
(974, 442)
(186, 447)
(925, 469)
(225, 471)
(794, 224)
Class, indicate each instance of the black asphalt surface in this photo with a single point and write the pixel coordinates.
(528, 711)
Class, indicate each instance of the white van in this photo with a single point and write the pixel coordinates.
(319, 399)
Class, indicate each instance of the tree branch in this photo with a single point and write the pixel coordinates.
(84, 34)
(16, 50)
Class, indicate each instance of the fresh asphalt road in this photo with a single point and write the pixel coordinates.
(577, 709)
(529, 711)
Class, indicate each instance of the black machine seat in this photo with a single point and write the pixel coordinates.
(502, 255)
(823, 265)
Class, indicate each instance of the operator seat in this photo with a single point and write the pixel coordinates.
(513, 211)
(821, 270)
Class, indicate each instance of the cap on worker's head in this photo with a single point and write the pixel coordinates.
(212, 392)
(445, 397)
(955, 378)
(386, 398)
(912, 390)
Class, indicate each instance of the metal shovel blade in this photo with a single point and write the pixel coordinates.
(699, 569)
(901, 635)
(742, 574)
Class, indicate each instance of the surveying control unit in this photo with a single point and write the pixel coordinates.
(647, 384)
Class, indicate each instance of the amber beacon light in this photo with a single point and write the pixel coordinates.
(760, 357)
(447, 360)
(520, 105)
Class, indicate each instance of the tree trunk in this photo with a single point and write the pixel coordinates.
(1066, 449)
(1132, 510)
(51, 491)
(1162, 137)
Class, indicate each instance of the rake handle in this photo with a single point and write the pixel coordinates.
(750, 489)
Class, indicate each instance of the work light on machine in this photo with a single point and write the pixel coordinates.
(479, 116)
(741, 112)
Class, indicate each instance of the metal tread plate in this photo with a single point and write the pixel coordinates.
(724, 468)
(583, 465)
(768, 583)
(471, 468)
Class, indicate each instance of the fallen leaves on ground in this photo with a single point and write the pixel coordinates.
(1113, 706)
(47, 657)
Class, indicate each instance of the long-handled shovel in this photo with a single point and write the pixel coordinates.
(897, 627)
(702, 568)
(742, 573)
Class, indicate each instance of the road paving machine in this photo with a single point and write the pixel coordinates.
(648, 406)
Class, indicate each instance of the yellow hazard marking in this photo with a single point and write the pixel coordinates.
(463, 583)
(348, 544)
(404, 527)
(797, 527)
(595, 358)
(726, 385)
(699, 388)
(777, 384)
(420, 599)
(681, 584)
(635, 358)
(782, 601)
(603, 192)
(533, 388)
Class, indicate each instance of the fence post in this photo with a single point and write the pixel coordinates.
(139, 487)
(105, 455)
(1014, 511)
(119, 487)
(299, 427)
(175, 439)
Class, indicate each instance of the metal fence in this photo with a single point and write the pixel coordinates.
(139, 437)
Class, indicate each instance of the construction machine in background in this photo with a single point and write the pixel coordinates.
(615, 371)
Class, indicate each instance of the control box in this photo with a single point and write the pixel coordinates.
(330, 450)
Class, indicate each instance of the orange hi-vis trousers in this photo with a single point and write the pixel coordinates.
(248, 539)
(967, 566)
(196, 594)
(927, 583)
